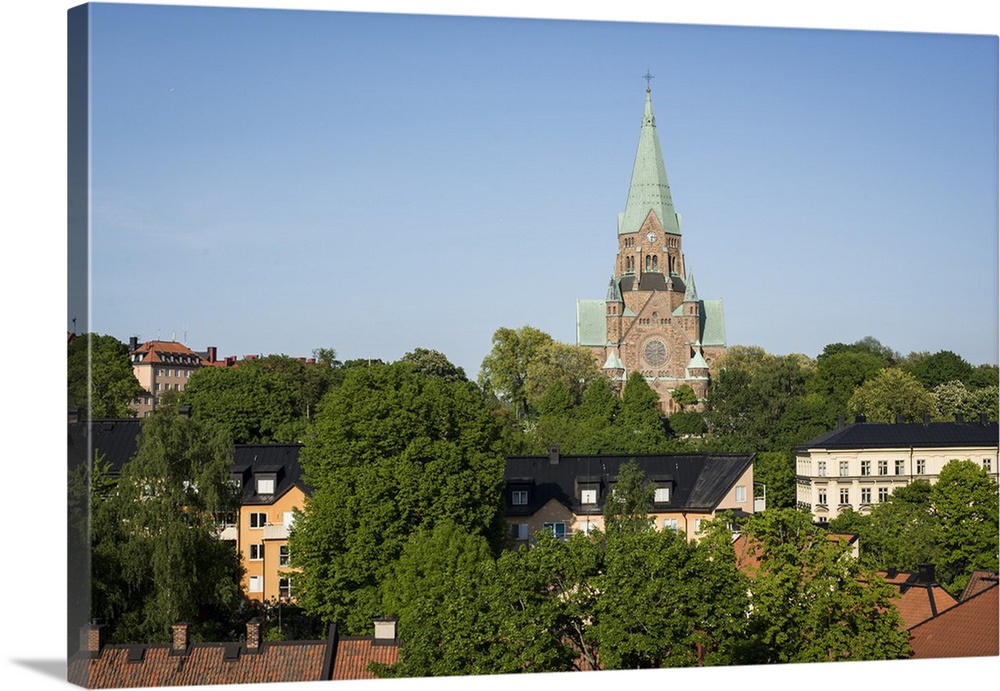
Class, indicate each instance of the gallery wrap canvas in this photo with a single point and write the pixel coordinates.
(334, 189)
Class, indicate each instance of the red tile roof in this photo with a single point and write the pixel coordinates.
(157, 349)
(918, 601)
(354, 654)
(969, 629)
(979, 581)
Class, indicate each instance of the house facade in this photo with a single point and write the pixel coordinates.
(564, 494)
(652, 319)
(160, 366)
(860, 465)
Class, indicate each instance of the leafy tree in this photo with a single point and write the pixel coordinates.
(504, 370)
(984, 400)
(949, 398)
(840, 373)
(943, 366)
(100, 378)
(776, 469)
(157, 558)
(984, 376)
(891, 392)
(811, 601)
(392, 451)
(686, 422)
(868, 344)
(639, 424)
(964, 501)
(684, 396)
(629, 504)
(434, 364)
(552, 362)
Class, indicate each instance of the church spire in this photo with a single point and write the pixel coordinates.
(649, 189)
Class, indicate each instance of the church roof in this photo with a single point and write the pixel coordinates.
(614, 294)
(713, 323)
(591, 322)
(691, 293)
(649, 189)
(697, 362)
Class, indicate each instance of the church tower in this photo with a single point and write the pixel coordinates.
(652, 320)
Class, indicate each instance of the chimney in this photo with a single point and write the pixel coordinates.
(554, 454)
(213, 353)
(92, 638)
(385, 631)
(959, 419)
(179, 639)
(253, 636)
(927, 418)
(925, 573)
(891, 572)
(900, 419)
(840, 421)
(133, 343)
(983, 419)
(859, 419)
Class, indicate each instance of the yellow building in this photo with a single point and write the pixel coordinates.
(270, 479)
(161, 366)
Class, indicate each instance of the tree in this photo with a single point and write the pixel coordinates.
(504, 370)
(639, 424)
(776, 469)
(100, 378)
(630, 502)
(553, 362)
(684, 396)
(943, 366)
(811, 601)
(393, 451)
(964, 501)
(434, 364)
(889, 393)
(157, 559)
(840, 373)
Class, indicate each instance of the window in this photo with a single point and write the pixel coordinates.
(843, 468)
(883, 467)
(256, 584)
(670, 523)
(845, 495)
(283, 555)
(284, 588)
(821, 468)
(518, 531)
(266, 485)
(257, 551)
(519, 497)
(557, 530)
(662, 495)
(741, 494)
(988, 465)
(866, 467)
(697, 524)
(588, 496)
(866, 495)
(258, 520)
(883, 493)
(821, 495)
(921, 466)
(900, 467)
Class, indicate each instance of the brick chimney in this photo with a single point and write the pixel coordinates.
(925, 573)
(554, 454)
(213, 354)
(179, 639)
(253, 636)
(92, 638)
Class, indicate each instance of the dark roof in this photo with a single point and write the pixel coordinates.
(281, 460)
(697, 482)
(868, 435)
(652, 280)
(114, 440)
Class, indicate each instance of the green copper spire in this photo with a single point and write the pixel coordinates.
(690, 293)
(649, 189)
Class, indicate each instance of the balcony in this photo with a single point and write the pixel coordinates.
(276, 531)
(227, 532)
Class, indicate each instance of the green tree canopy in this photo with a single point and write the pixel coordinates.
(889, 393)
(434, 364)
(684, 396)
(627, 507)
(504, 371)
(943, 366)
(100, 379)
(157, 558)
(393, 451)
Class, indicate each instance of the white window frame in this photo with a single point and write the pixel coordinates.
(821, 495)
(265, 485)
(899, 466)
(255, 584)
(556, 529)
(670, 524)
(845, 496)
(866, 495)
(988, 465)
(921, 466)
(662, 495)
(519, 497)
(883, 467)
(283, 555)
(741, 494)
(258, 519)
(256, 551)
(588, 496)
(866, 468)
(883, 494)
(287, 587)
(697, 525)
(821, 468)
(844, 468)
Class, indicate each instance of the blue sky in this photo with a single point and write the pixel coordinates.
(278, 181)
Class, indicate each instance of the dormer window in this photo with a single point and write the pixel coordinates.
(662, 495)
(519, 497)
(588, 496)
(265, 484)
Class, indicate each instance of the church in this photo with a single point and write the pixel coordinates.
(652, 320)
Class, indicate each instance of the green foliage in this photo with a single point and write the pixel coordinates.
(628, 505)
(812, 602)
(891, 392)
(434, 364)
(156, 555)
(840, 373)
(639, 422)
(393, 451)
(263, 401)
(99, 377)
(776, 469)
(686, 422)
(504, 371)
(684, 396)
(943, 366)
(964, 502)
(572, 366)
(983, 376)
(869, 345)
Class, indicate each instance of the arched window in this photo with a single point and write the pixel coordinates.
(655, 261)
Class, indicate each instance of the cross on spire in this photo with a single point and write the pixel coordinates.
(647, 77)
